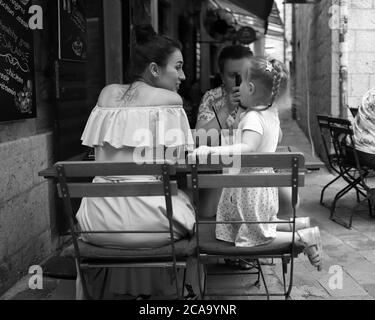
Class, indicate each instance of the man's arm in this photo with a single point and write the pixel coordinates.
(222, 116)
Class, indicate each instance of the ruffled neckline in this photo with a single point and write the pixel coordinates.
(138, 126)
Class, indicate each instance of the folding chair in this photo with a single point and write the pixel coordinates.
(343, 159)
(88, 256)
(210, 248)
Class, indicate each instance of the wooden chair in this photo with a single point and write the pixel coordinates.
(338, 141)
(210, 248)
(88, 256)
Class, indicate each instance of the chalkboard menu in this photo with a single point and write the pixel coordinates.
(72, 30)
(17, 85)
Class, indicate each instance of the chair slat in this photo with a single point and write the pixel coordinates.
(340, 130)
(213, 181)
(95, 168)
(130, 189)
(278, 160)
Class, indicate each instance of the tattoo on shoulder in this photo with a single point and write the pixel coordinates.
(127, 93)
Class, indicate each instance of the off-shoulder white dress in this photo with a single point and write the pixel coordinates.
(130, 131)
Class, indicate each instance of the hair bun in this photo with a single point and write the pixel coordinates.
(144, 33)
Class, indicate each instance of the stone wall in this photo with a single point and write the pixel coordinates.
(315, 66)
(361, 46)
(26, 227)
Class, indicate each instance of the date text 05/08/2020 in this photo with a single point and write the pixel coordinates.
(194, 309)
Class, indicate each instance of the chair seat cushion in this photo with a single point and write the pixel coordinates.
(183, 248)
(208, 244)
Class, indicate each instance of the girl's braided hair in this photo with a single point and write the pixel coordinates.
(272, 74)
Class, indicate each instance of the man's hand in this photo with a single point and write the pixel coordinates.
(234, 99)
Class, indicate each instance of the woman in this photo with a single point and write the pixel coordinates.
(364, 131)
(143, 119)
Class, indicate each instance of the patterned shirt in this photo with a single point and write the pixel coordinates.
(364, 124)
(216, 98)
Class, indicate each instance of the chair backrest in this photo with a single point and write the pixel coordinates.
(340, 135)
(74, 182)
(289, 173)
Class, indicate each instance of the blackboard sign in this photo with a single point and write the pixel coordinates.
(17, 85)
(72, 30)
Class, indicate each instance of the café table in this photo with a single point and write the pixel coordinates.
(311, 163)
(207, 206)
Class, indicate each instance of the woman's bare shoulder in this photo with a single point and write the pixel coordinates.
(169, 97)
(163, 97)
(111, 95)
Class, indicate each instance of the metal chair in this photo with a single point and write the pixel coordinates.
(210, 248)
(88, 256)
(343, 159)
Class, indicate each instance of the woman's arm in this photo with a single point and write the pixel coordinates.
(222, 115)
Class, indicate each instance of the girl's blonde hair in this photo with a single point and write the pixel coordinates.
(272, 75)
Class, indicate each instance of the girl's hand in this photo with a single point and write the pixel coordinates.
(201, 152)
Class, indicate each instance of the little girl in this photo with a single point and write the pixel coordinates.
(258, 128)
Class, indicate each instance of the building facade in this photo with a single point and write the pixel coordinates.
(334, 60)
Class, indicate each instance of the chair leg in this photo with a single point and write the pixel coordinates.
(257, 283)
(325, 187)
(102, 290)
(370, 208)
(175, 272)
(82, 279)
(183, 284)
(204, 288)
(340, 194)
(263, 279)
(86, 294)
(285, 270)
(291, 274)
(358, 198)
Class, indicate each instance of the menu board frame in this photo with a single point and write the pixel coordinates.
(17, 64)
(72, 40)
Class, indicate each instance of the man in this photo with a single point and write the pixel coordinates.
(364, 130)
(225, 99)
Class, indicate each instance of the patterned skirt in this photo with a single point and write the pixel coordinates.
(248, 204)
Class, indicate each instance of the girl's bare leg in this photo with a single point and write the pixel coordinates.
(309, 239)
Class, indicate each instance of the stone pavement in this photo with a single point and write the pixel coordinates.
(349, 255)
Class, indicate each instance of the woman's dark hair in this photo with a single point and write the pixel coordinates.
(235, 52)
(150, 47)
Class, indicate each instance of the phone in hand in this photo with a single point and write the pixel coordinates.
(238, 79)
(238, 83)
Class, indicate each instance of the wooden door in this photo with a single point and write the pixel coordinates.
(78, 81)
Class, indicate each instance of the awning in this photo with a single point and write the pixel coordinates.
(254, 13)
(261, 8)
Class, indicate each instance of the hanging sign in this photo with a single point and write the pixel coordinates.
(72, 30)
(246, 35)
(17, 84)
